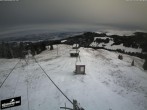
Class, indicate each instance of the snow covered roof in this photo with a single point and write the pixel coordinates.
(63, 41)
(75, 45)
(80, 63)
(101, 38)
(74, 51)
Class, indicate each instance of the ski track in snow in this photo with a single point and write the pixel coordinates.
(109, 83)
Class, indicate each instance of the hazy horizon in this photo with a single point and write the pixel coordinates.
(72, 15)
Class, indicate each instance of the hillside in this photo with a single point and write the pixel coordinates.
(109, 83)
(134, 44)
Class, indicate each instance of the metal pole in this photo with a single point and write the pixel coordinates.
(57, 49)
(65, 106)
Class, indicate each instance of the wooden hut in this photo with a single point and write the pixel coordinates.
(80, 68)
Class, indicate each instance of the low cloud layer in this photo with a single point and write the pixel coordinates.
(117, 13)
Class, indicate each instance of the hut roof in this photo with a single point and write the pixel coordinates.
(74, 51)
(80, 63)
(75, 45)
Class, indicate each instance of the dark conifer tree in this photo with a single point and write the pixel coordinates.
(51, 47)
(132, 63)
(145, 65)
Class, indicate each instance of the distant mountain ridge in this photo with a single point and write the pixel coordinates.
(39, 36)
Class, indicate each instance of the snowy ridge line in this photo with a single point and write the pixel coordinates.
(10, 73)
(53, 82)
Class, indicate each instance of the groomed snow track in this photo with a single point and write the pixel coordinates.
(109, 83)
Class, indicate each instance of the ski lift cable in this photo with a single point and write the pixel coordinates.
(10, 73)
(17, 82)
(53, 81)
(16, 85)
(27, 83)
(28, 92)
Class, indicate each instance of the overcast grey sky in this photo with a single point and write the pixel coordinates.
(116, 13)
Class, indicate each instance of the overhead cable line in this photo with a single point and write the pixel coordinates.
(10, 73)
(53, 81)
(28, 92)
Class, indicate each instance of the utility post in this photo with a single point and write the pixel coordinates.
(65, 106)
(57, 49)
(75, 106)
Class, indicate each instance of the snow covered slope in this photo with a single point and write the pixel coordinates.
(109, 83)
(110, 45)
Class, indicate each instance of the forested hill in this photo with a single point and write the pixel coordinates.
(135, 44)
(137, 40)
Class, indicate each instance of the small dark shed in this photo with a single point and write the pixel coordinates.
(74, 53)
